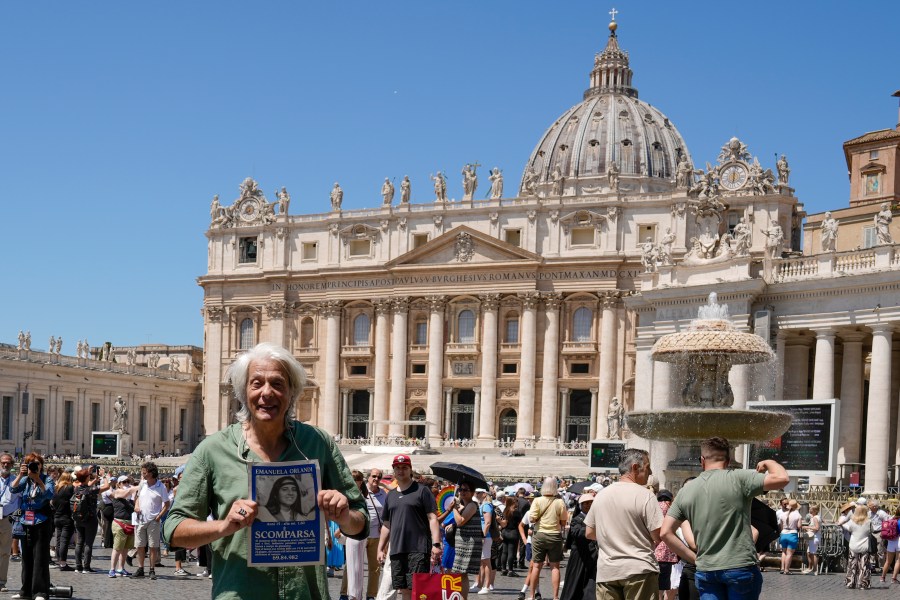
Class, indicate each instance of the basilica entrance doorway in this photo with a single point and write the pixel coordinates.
(358, 417)
(462, 415)
(416, 431)
(508, 421)
(578, 422)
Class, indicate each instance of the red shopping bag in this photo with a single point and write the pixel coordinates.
(437, 586)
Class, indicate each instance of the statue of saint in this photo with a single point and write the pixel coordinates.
(28, 340)
(741, 235)
(774, 240)
(214, 208)
(496, 178)
(284, 201)
(665, 247)
(21, 340)
(87, 349)
(59, 345)
(783, 170)
(614, 419)
(176, 364)
(387, 192)
(404, 190)
(52, 344)
(829, 233)
(684, 174)
(120, 416)
(648, 256)
(612, 174)
(440, 187)
(470, 181)
(337, 196)
(883, 225)
(529, 182)
(558, 180)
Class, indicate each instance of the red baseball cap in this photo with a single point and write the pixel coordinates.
(402, 459)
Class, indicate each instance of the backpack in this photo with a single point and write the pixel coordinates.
(495, 524)
(83, 505)
(889, 529)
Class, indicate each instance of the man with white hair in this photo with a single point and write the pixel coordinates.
(626, 563)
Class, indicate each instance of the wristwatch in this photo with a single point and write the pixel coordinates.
(435, 544)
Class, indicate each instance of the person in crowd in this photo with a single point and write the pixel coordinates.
(524, 505)
(122, 528)
(37, 490)
(355, 554)
(509, 532)
(485, 579)
(665, 556)
(106, 510)
(9, 504)
(181, 554)
(267, 381)
(581, 569)
(375, 504)
(717, 505)
(549, 514)
(151, 504)
(877, 516)
(859, 527)
(62, 520)
(410, 527)
(892, 559)
(87, 489)
(469, 537)
(790, 535)
(813, 533)
(625, 520)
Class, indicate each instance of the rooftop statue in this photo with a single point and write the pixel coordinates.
(440, 187)
(783, 170)
(883, 225)
(404, 190)
(829, 233)
(470, 180)
(337, 196)
(284, 200)
(387, 192)
(496, 178)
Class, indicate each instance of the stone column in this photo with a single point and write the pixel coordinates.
(329, 408)
(476, 409)
(486, 417)
(345, 412)
(823, 375)
(382, 366)
(435, 363)
(739, 379)
(661, 453)
(550, 372)
(643, 368)
(595, 425)
(609, 302)
(796, 369)
(276, 312)
(851, 406)
(563, 412)
(877, 425)
(397, 410)
(448, 407)
(216, 408)
(525, 426)
(778, 383)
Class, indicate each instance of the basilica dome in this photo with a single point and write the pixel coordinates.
(610, 130)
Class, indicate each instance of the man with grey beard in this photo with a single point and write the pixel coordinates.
(9, 503)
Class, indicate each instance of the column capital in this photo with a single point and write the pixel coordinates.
(400, 305)
(529, 300)
(882, 328)
(489, 301)
(214, 313)
(852, 337)
(276, 310)
(382, 305)
(477, 389)
(436, 303)
(552, 300)
(563, 390)
(609, 299)
(824, 333)
(331, 308)
(448, 390)
(594, 390)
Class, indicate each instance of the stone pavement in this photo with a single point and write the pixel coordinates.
(829, 586)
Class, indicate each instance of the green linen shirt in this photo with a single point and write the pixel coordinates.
(717, 505)
(215, 477)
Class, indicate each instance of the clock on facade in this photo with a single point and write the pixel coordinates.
(733, 177)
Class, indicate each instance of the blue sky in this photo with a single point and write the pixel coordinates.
(119, 121)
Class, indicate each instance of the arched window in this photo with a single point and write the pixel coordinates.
(581, 325)
(512, 328)
(466, 327)
(361, 330)
(307, 333)
(246, 334)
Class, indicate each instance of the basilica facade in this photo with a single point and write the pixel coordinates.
(509, 318)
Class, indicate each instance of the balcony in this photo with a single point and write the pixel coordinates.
(579, 347)
(356, 351)
(510, 348)
(459, 350)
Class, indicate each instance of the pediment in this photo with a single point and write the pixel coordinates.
(464, 245)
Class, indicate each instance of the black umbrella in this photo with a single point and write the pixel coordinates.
(457, 473)
(578, 487)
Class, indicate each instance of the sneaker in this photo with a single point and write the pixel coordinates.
(513, 574)
(88, 570)
(329, 572)
(491, 587)
(521, 596)
(15, 557)
(474, 587)
(65, 568)
(112, 573)
(504, 573)
(21, 597)
(205, 573)
(483, 591)
(180, 573)
(152, 575)
(139, 573)
(122, 573)
(344, 597)
(159, 565)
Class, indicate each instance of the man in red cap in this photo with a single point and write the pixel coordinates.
(409, 524)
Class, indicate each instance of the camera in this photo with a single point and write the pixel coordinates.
(34, 466)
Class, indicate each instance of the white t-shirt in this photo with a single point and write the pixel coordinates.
(623, 517)
(151, 499)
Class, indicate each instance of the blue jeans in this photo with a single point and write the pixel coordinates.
(730, 584)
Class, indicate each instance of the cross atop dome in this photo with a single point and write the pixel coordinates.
(611, 72)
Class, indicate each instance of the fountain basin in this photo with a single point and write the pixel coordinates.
(695, 424)
(737, 346)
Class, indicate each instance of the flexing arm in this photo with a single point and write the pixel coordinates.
(776, 475)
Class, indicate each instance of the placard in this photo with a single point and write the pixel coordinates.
(605, 455)
(289, 530)
(808, 446)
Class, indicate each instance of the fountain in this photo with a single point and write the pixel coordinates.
(704, 354)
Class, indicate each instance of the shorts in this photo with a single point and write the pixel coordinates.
(486, 549)
(813, 545)
(147, 534)
(789, 541)
(404, 565)
(547, 546)
(665, 576)
(892, 545)
(121, 542)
